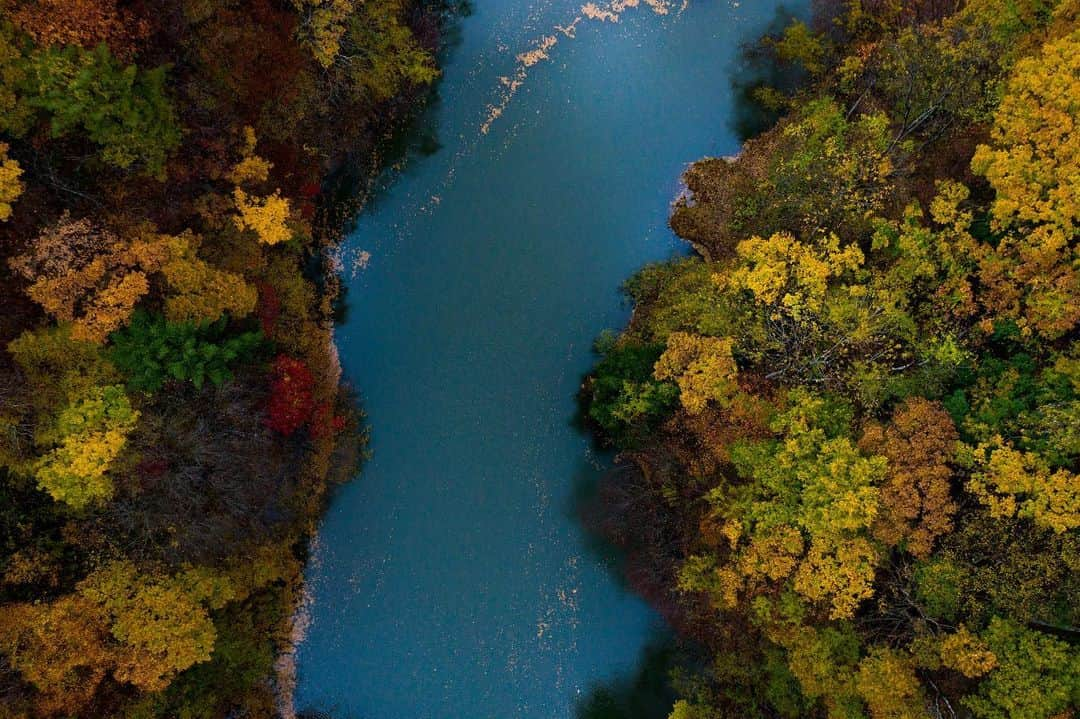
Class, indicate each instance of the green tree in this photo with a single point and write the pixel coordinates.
(126, 110)
(623, 396)
(152, 350)
(1037, 675)
(384, 55)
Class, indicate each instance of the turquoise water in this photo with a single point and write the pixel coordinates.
(453, 580)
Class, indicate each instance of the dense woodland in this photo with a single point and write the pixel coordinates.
(851, 422)
(170, 409)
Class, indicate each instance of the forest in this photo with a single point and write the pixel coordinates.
(850, 421)
(174, 176)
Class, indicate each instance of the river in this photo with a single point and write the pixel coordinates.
(453, 579)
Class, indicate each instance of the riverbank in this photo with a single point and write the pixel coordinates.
(173, 417)
(838, 411)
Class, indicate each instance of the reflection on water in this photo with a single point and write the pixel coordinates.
(644, 694)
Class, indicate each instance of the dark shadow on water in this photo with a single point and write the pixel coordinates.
(358, 184)
(340, 306)
(646, 693)
(757, 67)
(581, 508)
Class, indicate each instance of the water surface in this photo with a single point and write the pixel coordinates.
(452, 580)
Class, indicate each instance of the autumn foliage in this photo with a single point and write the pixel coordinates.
(157, 162)
(291, 402)
(853, 475)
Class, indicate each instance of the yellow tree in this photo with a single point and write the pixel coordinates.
(92, 432)
(887, 682)
(967, 653)
(1033, 165)
(161, 623)
(789, 275)
(60, 647)
(251, 168)
(10, 186)
(88, 276)
(803, 515)
(268, 217)
(1014, 483)
(198, 291)
(84, 274)
(143, 628)
(1033, 161)
(702, 367)
(323, 24)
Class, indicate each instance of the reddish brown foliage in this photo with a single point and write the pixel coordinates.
(86, 23)
(291, 402)
(269, 307)
(916, 503)
(324, 422)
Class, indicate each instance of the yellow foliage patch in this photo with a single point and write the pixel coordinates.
(267, 217)
(10, 186)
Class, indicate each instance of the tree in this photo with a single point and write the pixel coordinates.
(91, 433)
(10, 187)
(59, 370)
(886, 681)
(324, 24)
(967, 653)
(211, 481)
(378, 54)
(251, 169)
(623, 396)
(153, 350)
(931, 266)
(291, 400)
(161, 623)
(16, 116)
(801, 45)
(61, 647)
(124, 109)
(789, 276)
(685, 710)
(915, 504)
(1037, 676)
(1035, 155)
(1034, 166)
(812, 479)
(83, 274)
(86, 23)
(268, 217)
(838, 571)
(1014, 483)
(836, 169)
(198, 291)
(824, 661)
(702, 367)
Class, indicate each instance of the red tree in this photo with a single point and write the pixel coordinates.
(291, 402)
